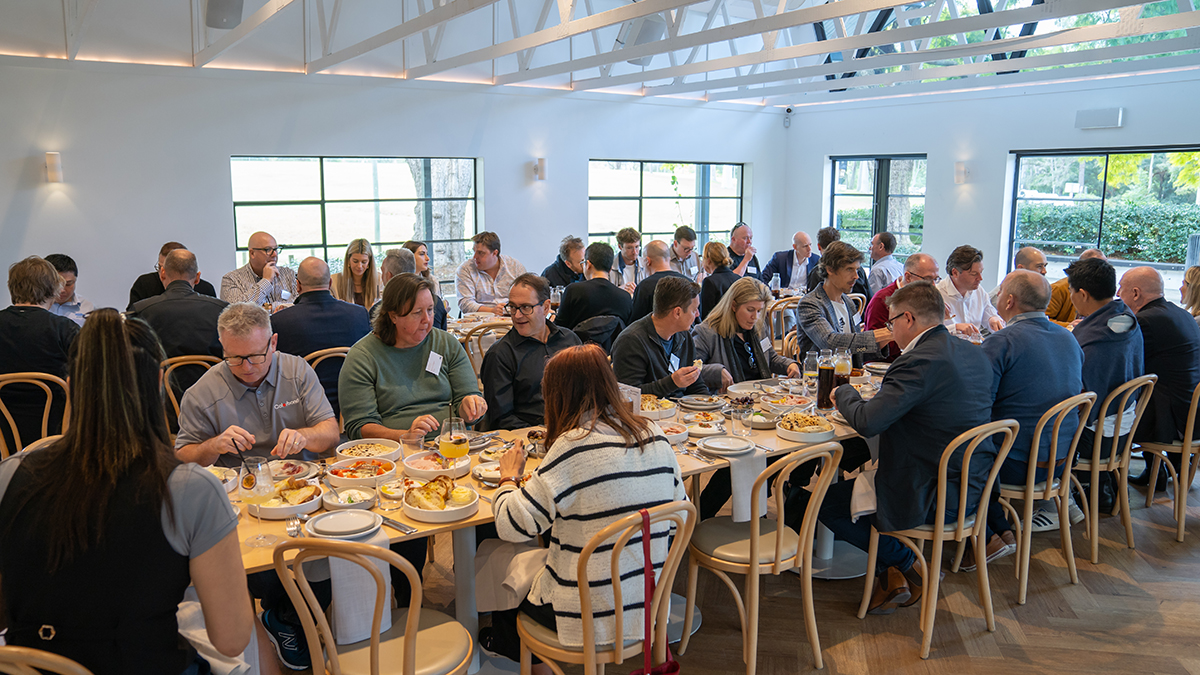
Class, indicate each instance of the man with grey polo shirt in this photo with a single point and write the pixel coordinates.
(257, 401)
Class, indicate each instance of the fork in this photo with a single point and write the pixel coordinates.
(293, 527)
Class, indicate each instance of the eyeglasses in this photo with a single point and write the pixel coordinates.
(269, 249)
(891, 320)
(933, 278)
(750, 351)
(254, 359)
(524, 309)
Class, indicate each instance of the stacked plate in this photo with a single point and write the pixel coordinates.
(343, 524)
(695, 402)
(725, 446)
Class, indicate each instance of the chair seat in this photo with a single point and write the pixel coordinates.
(1039, 487)
(949, 526)
(442, 645)
(550, 637)
(1176, 446)
(729, 541)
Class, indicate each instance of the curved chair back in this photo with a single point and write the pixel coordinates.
(830, 455)
(1189, 437)
(26, 661)
(473, 341)
(791, 345)
(1142, 387)
(41, 443)
(43, 382)
(972, 438)
(314, 359)
(176, 362)
(860, 302)
(775, 312)
(680, 514)
(1082, 404)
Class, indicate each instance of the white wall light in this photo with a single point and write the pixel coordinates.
(54, 171)
(961, 174)
(539, 168)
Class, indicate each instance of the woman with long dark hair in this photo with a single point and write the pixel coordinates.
(104, 529)
(421, 258)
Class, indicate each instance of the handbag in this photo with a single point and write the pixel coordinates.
(670, 666)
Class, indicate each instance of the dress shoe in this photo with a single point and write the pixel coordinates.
(891, 591)
(1143, 479)
(998, 546)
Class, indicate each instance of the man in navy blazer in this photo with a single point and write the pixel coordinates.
(932, 393)
(319, 321)
(783, 262)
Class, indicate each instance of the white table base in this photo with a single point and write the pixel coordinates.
(836, 559)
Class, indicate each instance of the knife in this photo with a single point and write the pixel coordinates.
(397, 525)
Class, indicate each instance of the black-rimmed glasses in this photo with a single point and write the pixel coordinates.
(893, 319)
(524, 309)
(254, 359)
(269, 249)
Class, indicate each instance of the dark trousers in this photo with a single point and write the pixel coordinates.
(855, 453)
(835, 514)
(504, 627)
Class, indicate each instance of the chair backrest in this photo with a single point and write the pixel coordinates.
(43, 382)
(791, 345)
(1188, 434)
(860, 302)
(972, 438)
(683, 516)
(830, 455)
(473, 341)
(1142, 387)
(174, 363)
(27, 661)
(1081, 404)
(41, 443)
(316, 626)
(314, 359)
(775, 311)
(602, 330)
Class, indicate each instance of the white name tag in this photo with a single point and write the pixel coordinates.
(751, 270)
(435, 363)
(765, 344)
(674, 362)
(692, 271)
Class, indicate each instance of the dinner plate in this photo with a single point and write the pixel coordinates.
(706, 416)
(291, 468)
(343, 524)
(837, 417)
(725, 446)
(702, 402)
(699, 432)
(488, 472)
(877, 367)
(753, 386)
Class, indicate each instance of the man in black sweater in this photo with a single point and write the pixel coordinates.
(149, 284)
(657, 263)
(655, 353)
(597, 296)
(567, 268)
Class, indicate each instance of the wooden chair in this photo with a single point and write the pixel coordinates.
(316, 358)
(41, 443)
(420, 640)
(723, 546)
(537, 639)
(860, 302)
(43, 382)
(791, 346)
(1058, 489)
(176, 362)
(1187, 449)
(966, 525)
(1142, 387)
(775, 311)
(473, 341)
(26, 661)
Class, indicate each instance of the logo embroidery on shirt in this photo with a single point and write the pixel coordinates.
(280, 406)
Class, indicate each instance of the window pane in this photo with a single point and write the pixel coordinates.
(854, 176)
(1058, 203)
(450, 178)
(853, 217)
(725, 180)
(275, 179)
(369, 178)
(445, 257)
(607, 216)
(906, 177)
(664, 215)
(374, 221)
(614, 179)
(293, 224)
(288, 257)
(723, 215)
(906, 220)
(668, 180)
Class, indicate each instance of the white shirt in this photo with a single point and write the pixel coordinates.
(974, 308)
(477, 288)
(799, 272)
(75, 309)
(883, 272)
(913, 343)
(839, 308)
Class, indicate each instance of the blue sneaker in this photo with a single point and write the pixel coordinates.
(288, 641)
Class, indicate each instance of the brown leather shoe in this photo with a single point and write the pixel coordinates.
(891, 590)
(997, 547)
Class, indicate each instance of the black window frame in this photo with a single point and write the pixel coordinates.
(881, 186)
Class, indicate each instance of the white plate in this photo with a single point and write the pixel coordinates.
(285, 512)
(803, 438)
(487, 471)
(695, 418)
(369, 481)
(308, 469)
(676, 437)
(446, 515)
(877, 367)
(227, 476)
(725, 446)
(660, 414)
(700, 432)
(331, 502)
(461, 467)
(344, 524)
(753, 386)
(393, 453)
(702, 402)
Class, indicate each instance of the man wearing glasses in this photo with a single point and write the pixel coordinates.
(257, 401)
(512, 369)
(969, 306)
(918, 267)
(150, 284)
(261, 280)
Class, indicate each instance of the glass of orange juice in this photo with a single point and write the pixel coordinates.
(452, 443)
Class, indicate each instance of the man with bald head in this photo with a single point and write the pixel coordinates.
(656, 260)
(1171, 341)
(261, 280)
(1028, 258)
(319, 321)
(743, 253)
(150, 284)
(918, 267)
(1060, 310)
(793, 265)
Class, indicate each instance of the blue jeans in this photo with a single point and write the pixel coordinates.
(835, 514)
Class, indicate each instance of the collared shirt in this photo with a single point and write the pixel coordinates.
(913, 343)
(1026, 315)
(243, 285)
(290, 397)
(688, 267)
(799, 272)
(883, 272)
(627, 273)
(75, 309)
(753, 269)
(476, 288)
(973, 308)
(512, 376)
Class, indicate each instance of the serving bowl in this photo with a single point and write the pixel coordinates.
(446, 515)
(288, 510)
(367, 481)
(392, 453)
(331, 501)
(461, 467)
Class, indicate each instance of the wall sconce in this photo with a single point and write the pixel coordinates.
(54, 172)
(961, 174)
(539, 168)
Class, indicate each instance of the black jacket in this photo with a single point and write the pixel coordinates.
(512, 376)
(558, 274)
(594, 297)
(33, 340)
(149, 285)
(1172, 343)
(319, 321)
(640, 360)
(713, 287)
(643, 295)
(186, 323)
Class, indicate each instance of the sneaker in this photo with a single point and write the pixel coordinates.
(288, 641)
(998, 546)
(1046, 519)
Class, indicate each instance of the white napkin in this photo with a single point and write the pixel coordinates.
(354, 595)
(192, 628)
(504, 573)
(743, 469)
(862, 500)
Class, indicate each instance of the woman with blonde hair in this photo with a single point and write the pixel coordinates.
(1190, 291)
(718, 276)
(358, 282)
(732, 340)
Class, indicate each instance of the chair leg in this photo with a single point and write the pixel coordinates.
(526, 660)
(1094, 509)
(1153, 477)
(1025, 536)
(1064, 535)
(985, 589)
(1181, 495)
(872, 554)
(1123, 502)
(958, 556)
(810, 615)
(693, 572)
(750, 639)
(1083, 505)
(929, 596)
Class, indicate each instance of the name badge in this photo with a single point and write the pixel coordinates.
(765, 344)
(674, 362)
(435, 363)
(751, 270)
(692, 270)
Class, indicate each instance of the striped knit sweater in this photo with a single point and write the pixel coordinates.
(587, 481)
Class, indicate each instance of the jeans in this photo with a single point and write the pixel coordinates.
(855, 453)
(835, 514)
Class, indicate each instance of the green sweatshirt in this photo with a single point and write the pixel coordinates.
(381, 384)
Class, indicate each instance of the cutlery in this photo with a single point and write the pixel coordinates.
(485, 498)
(293, 527)
(397, 525)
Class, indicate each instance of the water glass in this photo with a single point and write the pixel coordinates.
(394, 500)
(741, 425)
(411, 442)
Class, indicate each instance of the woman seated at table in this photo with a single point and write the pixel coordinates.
(718, 276)
(421, 256)
(358, 282)
(732, 342)
(603, 464)
(104, 529)
(826, 315)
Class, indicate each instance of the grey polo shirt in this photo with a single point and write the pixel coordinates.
(291, 397)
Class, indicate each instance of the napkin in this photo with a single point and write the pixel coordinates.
(862, 499)
(743, 469)
(191, 626)
(354, 594)
(504, 573)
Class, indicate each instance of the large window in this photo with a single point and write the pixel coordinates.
(879, 194)
(1138, 206)
(314, 206)
(655, 198)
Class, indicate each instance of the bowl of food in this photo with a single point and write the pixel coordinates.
(397, 487)
(349, 498)
(675, 432)
(429, 465)
(440, 501)
(537, 443)
(291, 468)
(762, 420)
(804, 428)
(656, 408)
(859, 376)
(706, 416)
(367, 448)
(292, 497)
(359, 472)
(780, 403)
(226, 475)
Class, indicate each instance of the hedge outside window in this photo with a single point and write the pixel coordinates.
(879, 194)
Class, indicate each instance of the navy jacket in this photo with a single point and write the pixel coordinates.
(319, 321)
(1035, 366)
(713, 287)
(1112, 352)
(781, 264)
(1172, 351)
(558, 274)
(929, 396)
(186, 323)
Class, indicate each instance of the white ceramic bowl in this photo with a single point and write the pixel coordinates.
(339, 481)
(801, 437)
(287, 511)
(461, 467)
(661, 414)
(227, 476)
(392, 454)
(677, 437)
(761, 420)
(446, 515)
(332, 503)
(488, 472)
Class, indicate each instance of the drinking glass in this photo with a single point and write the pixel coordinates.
(393, 501)
(452, 443)
(741, 426)
(255, 487)
(411, 442)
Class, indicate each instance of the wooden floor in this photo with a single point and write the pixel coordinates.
(1137, 611)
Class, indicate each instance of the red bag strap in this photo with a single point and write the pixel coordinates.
(649, 576)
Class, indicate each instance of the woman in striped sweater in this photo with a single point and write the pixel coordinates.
(604, 463)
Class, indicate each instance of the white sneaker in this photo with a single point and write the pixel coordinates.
(1045, 519)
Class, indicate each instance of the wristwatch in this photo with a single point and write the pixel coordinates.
(507, 479)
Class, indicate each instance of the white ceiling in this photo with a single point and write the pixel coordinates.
(795, 52)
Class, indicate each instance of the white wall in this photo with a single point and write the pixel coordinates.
(980, 129)
(145, 153)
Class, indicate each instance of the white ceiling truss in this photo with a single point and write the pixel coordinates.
(777, 52)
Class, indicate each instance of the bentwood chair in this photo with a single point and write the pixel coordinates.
(26, 661)
(175, 363)
(420, 641)
(41, 443)
(476, 341)
(316, 358)
(1117, 403)
(775, 312)
(761, 547)
(791, 345)
(1055, 485)
(540, 640)
(1187, 449)
(972, 525)
(42, 381)
(860, 303)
